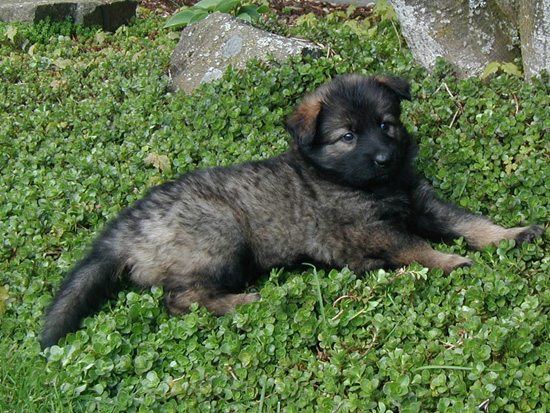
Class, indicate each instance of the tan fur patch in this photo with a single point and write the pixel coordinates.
(335, 151)
(304, 118)
(428, 257)
(179, 302)
(480, 233)
(381, 79)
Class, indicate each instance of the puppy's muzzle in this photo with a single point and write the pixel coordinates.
(383, 160)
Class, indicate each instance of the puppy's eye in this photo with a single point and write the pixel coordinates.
(384, 126)
(348, 137)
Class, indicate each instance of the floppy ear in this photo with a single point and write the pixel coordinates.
(302, 123)
(399, 85)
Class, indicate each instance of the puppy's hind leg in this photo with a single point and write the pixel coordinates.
(397, 247)
(424, 254)
(178, 301)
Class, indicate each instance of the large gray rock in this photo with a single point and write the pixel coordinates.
(110, 14)
(469, 34)
(535, 36)
(207, 47)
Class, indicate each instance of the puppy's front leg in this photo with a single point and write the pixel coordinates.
(397, 247)
(479, 233)
(438, 220)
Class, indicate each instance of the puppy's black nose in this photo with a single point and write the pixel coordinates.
(382, 160)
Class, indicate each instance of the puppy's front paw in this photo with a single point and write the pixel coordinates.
(529, 234)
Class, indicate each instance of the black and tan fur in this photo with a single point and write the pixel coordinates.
(345, 194)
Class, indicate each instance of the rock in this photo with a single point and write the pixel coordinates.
(535, 36)
(510, 9)
(469, 34)
(109, 14)
(207, 47)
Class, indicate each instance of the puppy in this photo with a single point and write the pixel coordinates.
(346, 193)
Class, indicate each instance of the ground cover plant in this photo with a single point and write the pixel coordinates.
(88, 123)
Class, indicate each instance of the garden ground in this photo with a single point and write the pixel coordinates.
(82, 114)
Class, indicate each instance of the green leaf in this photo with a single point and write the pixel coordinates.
(11, 33)
(209, 5)
(161, 162)
(225, 6)
(244, 16)
(63, 63)
(384, 11)
(350, 10)
(307, 20)
(511, 69)
(32, 49)
(250, 10)
(100, 37)
(397, 389)
(360, 28)
(199, 15)
(264, 8)
(55, 353)
(3, 298)
(182, 18)
(490, 69)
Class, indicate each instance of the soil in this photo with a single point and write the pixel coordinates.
(287, 10)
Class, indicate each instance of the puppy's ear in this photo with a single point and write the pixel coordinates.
(399, 85)
(302, 123)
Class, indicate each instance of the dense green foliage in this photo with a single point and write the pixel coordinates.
(88, 123)
(22, 35)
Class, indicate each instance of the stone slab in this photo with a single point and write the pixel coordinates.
(109, 14)
(468, 34)
(206, 48)
(535, 36)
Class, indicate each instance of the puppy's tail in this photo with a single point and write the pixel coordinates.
(88, 285)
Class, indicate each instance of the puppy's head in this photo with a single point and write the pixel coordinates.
(351, 128)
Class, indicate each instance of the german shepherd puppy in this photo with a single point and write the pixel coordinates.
(345, 194)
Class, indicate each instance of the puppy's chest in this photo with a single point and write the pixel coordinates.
(369, 207)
